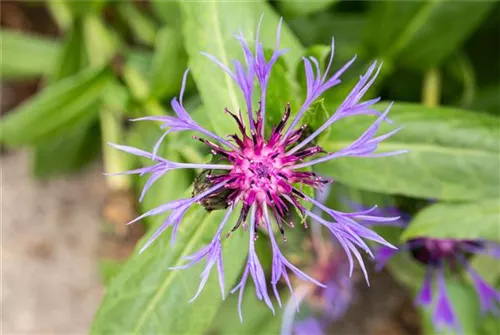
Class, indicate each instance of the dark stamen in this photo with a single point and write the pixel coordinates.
(241, 219)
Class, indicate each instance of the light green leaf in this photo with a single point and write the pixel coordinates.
(72, 57)
(168, 12)
(453, 154)
(142, 26)
(61, 13)
(54, 109)
(423, 33)
(299, 8)
(101, 42)
(25, 56)
(472, 221)
(209, 27)
(257, 319)
(147, 297)
(169, 63)
(465, 306)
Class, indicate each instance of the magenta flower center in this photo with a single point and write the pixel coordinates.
(262, 171)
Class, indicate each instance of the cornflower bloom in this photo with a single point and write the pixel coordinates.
(440, 255)
(262, 176)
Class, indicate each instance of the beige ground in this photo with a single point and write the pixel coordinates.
(50, 282)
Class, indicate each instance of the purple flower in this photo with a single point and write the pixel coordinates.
(264, 173)
(438, 254)
(330, 301)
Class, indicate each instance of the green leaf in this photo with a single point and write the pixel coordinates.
(406, 270)
(54, 109)
(291, 9)
(489, 325)
(281, 89)
(147, 297)
(68, 152)
(72, 57)
(101, 42)
(346, 28)
(143, 28)
(487, 100)
(60, 13)
(257, 319)
(168, 12)
(25, 56)
(82, 8)
(316, 115)
(169, 63)
(318, 51)
(472, 221)
(210, 27)
(423, 34)
(465, 306)
(453, 154)
(487, 267)
(167, 188)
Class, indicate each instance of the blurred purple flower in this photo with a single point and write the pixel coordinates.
(437, 254)
(330, 302)
(264, 174)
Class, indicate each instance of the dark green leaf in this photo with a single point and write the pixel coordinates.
(57, 107)
(316, 115)
(453, 154)
(26, 55)
(210, 27)
(169, 63)
(423, 33)
(407, 271)
(281, 89)
(69, 151)
(477, 220)
(487, 99)
(318, 51)
(82, 8)
(346, 28)
(298, 8)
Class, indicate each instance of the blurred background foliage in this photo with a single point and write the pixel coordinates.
(109, 61)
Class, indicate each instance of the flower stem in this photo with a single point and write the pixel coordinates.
(431, 89)
(114, 160)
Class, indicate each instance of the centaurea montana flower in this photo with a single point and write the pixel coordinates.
(439, 255)
(265, 174)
